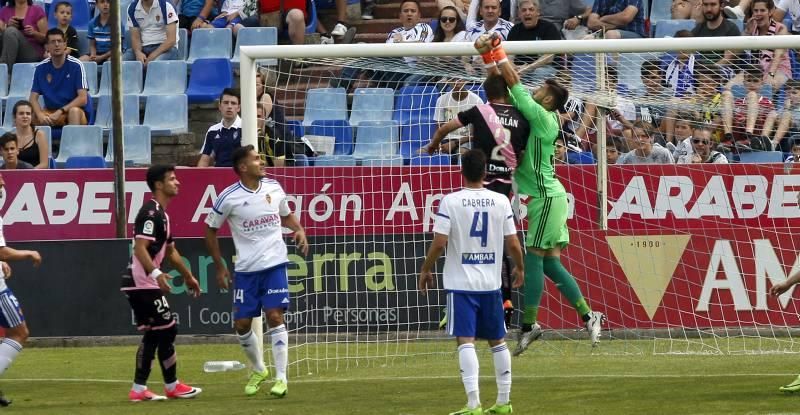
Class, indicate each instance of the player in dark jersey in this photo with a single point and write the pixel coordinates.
(144, 284)
(501, 132)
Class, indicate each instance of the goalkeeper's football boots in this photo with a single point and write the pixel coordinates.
(254, 384)
(466, 411)
(594, 325)
(792, 387)
(526, 338)
(279, 389)
(498, 409)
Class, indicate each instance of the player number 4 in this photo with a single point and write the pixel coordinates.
(480, 227)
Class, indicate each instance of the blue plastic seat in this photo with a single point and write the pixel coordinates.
(339, 129)
(761, 157)
(329, 160)
(376, 139)
(80, 141)
(667, 28)
(300, 160)
(83, 42)
(167, 114)
(132, 78)
(295, 127)
(248, 36)
(413, 137)
(8, 114)
(130, 111)
(80, 14)
(325, 104)
(372, 104)
(662, 10)
(210, 43)
(136, 142)
(582, 69)
(584, 157)
(3, 80)
(414, 103)
(209, 77)
(183, 44)
(165, 78)
(90, 69)
(85, 162)
(377, 161)
(21, 80)
(434, 160)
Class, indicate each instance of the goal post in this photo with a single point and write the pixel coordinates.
(680, 256)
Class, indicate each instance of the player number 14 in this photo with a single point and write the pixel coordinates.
(480, 227)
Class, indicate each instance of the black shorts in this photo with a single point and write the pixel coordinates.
(150, 308)
(500, 187)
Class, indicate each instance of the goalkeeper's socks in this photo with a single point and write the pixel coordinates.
(9, 349)
(502, 372)
(280, 350)
(250, 347)
(534, 287)
(526, 327)
(565, 283)
(468, 362)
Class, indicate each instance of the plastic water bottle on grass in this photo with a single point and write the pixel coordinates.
(222, 366)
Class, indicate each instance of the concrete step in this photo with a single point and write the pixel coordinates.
(382, 26)
(392, 10)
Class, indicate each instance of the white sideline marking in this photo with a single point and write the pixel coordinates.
(417, 378)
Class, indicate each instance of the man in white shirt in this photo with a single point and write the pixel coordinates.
(256, 211)
(153, 30)
(448, 105)
(701, 151)
(474, 223)
(492, 22)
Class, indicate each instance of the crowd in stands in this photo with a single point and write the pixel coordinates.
(688, 107)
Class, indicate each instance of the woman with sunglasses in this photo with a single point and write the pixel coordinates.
(451, 27)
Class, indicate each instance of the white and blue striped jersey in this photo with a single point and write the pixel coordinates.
(476, 222)
(420, 33)
(255, 221)
(475, 27)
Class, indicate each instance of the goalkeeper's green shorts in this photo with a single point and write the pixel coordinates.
(547, 223)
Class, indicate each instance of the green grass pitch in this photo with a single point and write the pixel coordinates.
(559, 378)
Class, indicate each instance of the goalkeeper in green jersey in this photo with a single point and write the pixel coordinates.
(547, 207)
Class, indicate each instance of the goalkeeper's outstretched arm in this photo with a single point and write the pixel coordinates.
(489, 45)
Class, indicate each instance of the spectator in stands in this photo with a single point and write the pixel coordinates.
(451, 27)
(229, 17)
(679, 69)
(100, 34)
(61, 80)
(706, 103)
(280, 145)
(447, 107)
(740, 11)
(10, 153)
(225, 136)
(63, 16)
(491, 20)
(624, 110)
(645, 152)
(621, 19)
(716, 25)
(566, 14)
(195, 13)
(615, 147)
(701, 148)
(23, 29)
(788, 118)
(532, 27)
(292, 13)
(687, 9)
(792, 7)
(153, 30)
(652, 106)
(775, 64)
(683, 135)
(561, 151)
(461, 6)
(32, 142)
(795, 156)
(747, 115)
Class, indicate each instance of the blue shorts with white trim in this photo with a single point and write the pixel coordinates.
(254, 291)
(10, 311)
(476, 314)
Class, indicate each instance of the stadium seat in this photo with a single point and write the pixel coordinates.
(376, 161)
(434, 160)
(372, 104)
(295, 127)
(376, 139)
(165, 78)
(80, 14)
(90, 69)
(8, 115)
(80, 141)
(340, 129)
(761, 157)
(255, 36)
(206, 84)
(183, 44)
(210, 43)
(662, 10)
(130, 111)
(85, 162)
(413, 137)
(335, 160)
(325, 104)
(414, 103)
(167, 114)
(3, 80)
(136, 142)
(83, 42)
(582, 71)
(584, 157)
(132, 78)
(21, 80)
(667, 28)
(300, 160)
